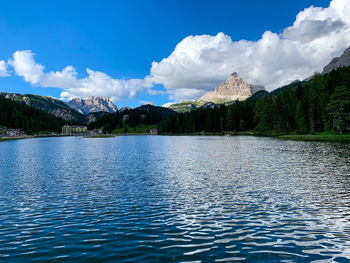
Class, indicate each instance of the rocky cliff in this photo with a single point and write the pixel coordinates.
(342, 61)
(234, 88)
(92, 104)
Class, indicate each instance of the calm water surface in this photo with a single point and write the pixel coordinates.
(174, 199)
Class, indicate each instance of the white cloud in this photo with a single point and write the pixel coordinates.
(3, 69)
(199, 63)
(25, 66)
(96, 83)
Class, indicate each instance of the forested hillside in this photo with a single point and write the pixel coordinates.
(318, 105)
(19, 115)
(140, 117)
(48, 104)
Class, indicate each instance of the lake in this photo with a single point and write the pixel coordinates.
(174, 199)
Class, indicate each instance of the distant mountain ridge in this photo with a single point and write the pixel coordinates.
(342, 61)
(93, 104)
(47, 104)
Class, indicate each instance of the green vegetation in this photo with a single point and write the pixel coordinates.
(100, 136)
(139, 120)
(185, 106)
(141, 128)
(316, 106)
(318, 109)
(20, 116)
(339, 107)
(48, 104)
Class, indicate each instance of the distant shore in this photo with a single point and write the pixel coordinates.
(100, 136)
(8, 138)
(342, 138)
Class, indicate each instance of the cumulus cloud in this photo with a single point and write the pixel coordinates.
(96, 83)
(199, 63)
(25, 66)
(3, 69)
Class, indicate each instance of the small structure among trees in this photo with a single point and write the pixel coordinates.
(153, 131)
(74, 129)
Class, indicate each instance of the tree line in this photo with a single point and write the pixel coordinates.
(318, 105)
(131, 118)
(20, 116)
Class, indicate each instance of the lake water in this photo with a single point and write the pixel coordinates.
(174, 199)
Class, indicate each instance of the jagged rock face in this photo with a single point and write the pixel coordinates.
(342, 61)
(234, 88)
(93, 104)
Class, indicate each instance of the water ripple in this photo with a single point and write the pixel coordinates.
(174, 199)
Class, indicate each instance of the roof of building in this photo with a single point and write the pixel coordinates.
(13, 130)
(78, 126)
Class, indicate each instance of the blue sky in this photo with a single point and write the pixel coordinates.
(123, 38)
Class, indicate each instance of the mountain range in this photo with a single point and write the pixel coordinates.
(92, 104)
(235, 88)
(55, 107)
(83, 111)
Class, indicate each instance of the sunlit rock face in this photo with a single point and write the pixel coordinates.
(234, 88)
(342, 61)
(93, 104)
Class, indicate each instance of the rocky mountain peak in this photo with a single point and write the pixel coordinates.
(342, 61)
(93, 104)
(233, 88)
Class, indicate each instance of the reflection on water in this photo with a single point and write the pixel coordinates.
(180, 199)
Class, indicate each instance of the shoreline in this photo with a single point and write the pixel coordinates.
(16, 138)
(338, 138)
(8, 138)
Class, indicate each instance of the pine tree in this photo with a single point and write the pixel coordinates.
(338, 107)
(300, 119)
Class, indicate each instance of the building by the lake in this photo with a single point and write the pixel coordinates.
(14, 132)
(153, 131)
(74, 129)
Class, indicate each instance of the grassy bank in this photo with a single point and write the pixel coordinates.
(246, 133)
(318, 137)
(15, 138)
(142, 129)
(101, 136)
